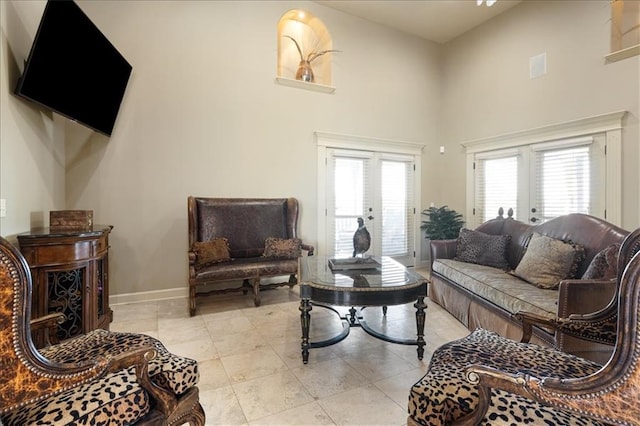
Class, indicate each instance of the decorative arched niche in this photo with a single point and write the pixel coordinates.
(312, 38)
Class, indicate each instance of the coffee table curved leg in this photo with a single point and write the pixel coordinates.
(420, 318)
(305, 321)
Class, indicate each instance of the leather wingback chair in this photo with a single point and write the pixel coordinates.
(98, 378)
(487, 379)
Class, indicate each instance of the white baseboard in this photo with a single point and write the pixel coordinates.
(148, 296)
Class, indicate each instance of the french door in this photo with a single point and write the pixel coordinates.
(377, 187)
(542, 181)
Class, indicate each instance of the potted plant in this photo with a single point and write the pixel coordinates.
(442, 224)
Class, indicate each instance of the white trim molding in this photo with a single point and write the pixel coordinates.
(609, 124)
(149, 296)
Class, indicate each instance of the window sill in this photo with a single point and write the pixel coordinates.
(314, 87)
(623, 54)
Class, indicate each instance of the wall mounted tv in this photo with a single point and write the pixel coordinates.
(74, 70)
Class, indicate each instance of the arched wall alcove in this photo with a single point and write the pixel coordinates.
(312, 36)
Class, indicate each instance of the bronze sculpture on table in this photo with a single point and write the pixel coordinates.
(361, 239)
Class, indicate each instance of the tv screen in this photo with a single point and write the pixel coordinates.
(74, 70)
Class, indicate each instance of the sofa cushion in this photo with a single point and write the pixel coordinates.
(282, 248)
(210, 252)
(483, 249)
(547, 261)
(604, 265)
(499, 288)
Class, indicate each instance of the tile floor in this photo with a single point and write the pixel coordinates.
(251, 370)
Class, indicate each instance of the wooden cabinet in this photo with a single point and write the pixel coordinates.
(70, 273)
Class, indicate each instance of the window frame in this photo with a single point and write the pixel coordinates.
(610, 125)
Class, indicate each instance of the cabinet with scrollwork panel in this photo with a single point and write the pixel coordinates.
(69, 271)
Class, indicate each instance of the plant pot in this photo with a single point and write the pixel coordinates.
(304, 73)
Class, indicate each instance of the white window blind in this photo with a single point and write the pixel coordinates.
(351, 175)
(496, 180)
(563, 182)
(397, 208)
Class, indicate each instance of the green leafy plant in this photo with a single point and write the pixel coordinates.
(442, 224)
(311, 56)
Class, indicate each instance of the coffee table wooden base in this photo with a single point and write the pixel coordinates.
(356, 319)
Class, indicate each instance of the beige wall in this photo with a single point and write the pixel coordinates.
(32, 149)
(202, 114)
(488, 92)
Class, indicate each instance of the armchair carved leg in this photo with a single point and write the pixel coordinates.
(292, 280)
(256, 291)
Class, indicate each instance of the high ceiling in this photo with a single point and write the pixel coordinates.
(435, 20)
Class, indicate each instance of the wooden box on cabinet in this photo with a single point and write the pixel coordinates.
(70, 273)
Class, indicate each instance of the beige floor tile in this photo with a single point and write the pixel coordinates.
(233, 325)
(238, 343)
(251, 364)
(221, 407)
(329, 377)
(270, 394)
(365, 405)
(290, 353)
(212, 375)
(304, 415)
(397, 387)
(182, 332)
(378, 362)
(247, 366)
(199, 349)
(145, 326)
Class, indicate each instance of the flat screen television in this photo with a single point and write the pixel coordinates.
(74, 70)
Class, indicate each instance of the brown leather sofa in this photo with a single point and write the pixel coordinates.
(245, 223)
(489, 310)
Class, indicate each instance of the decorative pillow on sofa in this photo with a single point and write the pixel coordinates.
(210, 252)
(547, 261)
(604, 265)
(282, 248)
(483, 249)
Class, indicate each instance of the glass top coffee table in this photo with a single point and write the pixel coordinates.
(385, 282)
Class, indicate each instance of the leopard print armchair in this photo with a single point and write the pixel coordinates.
(487, 379)
(98, 378)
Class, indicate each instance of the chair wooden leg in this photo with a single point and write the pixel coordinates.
(256, 291)
(188, 410)
(192, 300)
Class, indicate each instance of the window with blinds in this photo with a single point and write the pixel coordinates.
(496, 185)
(350, 176)
(563, 182)
(397, 208)
(541, 181)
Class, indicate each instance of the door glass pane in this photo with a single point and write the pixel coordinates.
(563, 182)
(496, 186)
(397, 209)
(350, 176)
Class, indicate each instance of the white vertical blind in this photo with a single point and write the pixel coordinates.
(350, 175)
(563, 182)
(496, 181)
(397, 208)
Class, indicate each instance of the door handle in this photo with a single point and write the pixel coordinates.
(370, 217)
(533, 219)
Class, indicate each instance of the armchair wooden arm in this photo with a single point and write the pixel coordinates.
(49, 323)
